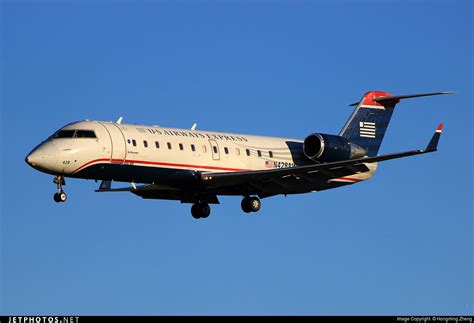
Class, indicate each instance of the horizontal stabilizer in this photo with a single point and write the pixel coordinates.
(393, 99)
(396, 98)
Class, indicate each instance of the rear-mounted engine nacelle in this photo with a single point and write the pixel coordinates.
(328, 148)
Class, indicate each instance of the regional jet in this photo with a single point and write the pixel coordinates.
(194, 166)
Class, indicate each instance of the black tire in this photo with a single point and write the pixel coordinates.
(255, 204)
(245, 204)
(205, 210)
(200, 210)
(195, 211)
(56, 198)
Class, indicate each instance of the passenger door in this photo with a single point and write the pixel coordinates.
(118, 150)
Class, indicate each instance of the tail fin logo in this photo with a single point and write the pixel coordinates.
(367, 129)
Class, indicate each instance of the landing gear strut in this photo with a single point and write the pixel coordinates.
(200, 210)
(250, 204)
(60, 196)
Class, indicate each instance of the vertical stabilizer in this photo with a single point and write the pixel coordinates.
(367, 125)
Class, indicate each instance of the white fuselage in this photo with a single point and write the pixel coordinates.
(170, 148)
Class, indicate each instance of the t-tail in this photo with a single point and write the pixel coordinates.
(368, 123)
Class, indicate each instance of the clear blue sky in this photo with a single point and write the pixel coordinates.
(400, 243)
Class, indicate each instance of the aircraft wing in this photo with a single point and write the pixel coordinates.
(326, 170)
(153, 191)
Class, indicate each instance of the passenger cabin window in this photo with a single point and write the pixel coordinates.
(181, 147)
(169, 145)
(64, 134)
(85, 134)
(247, 151)
(204, 149)
(145, 143)
(259, 153)
(237, 151)
(157, 144)
(270, 153)
(193, 148)
(134, 143)
(226, 150)
(128, 140)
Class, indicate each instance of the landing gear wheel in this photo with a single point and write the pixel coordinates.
(255, 204)
(62, 197)
(200, 210)
(195, 211)
(205, 210)
(250, 204)
(245, 204)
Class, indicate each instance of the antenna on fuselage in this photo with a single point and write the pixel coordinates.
(119, 121)
(194, 126)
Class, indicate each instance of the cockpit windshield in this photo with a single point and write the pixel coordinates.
(85, 134)
(64, 134)
(74, 134)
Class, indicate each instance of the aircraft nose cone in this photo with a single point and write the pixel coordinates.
(34, 159)
(44, 157)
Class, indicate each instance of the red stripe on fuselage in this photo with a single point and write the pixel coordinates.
(144, 162)
(349, 179)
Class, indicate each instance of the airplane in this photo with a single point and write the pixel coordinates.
(194, 166)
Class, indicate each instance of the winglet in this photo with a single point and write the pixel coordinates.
(119, 121)
(433, 144)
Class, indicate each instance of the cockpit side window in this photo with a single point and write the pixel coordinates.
(85, 134)
(64, 134)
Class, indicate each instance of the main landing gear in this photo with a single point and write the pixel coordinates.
(200, 210)
(60, 196)
(250, 204)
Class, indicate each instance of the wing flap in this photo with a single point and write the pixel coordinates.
(122, 189)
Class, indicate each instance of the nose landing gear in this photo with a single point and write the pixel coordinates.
(60, 196)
